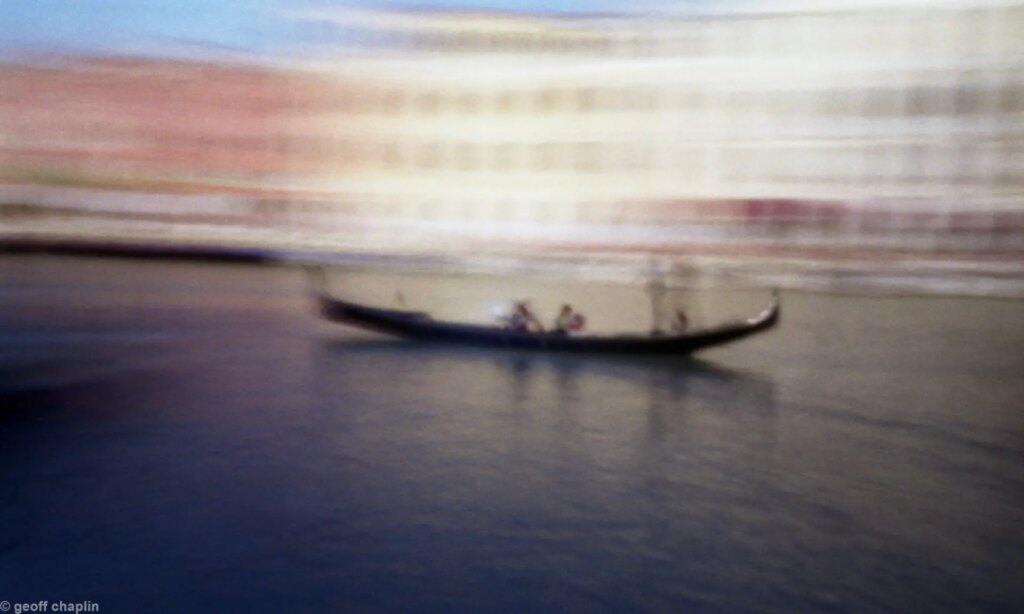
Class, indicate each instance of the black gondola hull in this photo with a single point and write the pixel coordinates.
(415, 325)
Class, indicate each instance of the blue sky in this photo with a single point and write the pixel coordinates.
(133, 25)
(158, 26)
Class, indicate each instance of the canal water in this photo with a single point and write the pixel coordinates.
(178, 436)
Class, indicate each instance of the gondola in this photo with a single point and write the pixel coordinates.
(421, 326)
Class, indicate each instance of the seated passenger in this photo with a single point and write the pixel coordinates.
(564, 320)
(523, 320)
(569, 322)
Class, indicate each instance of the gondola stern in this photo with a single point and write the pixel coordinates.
(774, 311)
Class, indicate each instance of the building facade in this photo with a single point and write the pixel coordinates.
(907, 117)
(864, 132)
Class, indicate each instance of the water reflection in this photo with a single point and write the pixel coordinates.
(647, 396)
(538, 451)
(665, 378)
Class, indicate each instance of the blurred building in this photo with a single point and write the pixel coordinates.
(909, 119)
(877, 133)
(125, 116)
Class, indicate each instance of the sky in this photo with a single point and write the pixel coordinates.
(170, 27)
(138, 25)
(247, 26)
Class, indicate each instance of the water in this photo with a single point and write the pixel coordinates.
(179, 437)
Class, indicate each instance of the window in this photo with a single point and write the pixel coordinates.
(504, 102)
(429, 102)
(429, 155)
(502, 156)
(586, 99)
(469, 103)
(547, 101)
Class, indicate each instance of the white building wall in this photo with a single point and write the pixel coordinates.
(547, 119)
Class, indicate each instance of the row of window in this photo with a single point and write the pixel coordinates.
(966, 162)
(955, 32)
(912, 100)
(736, 216)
